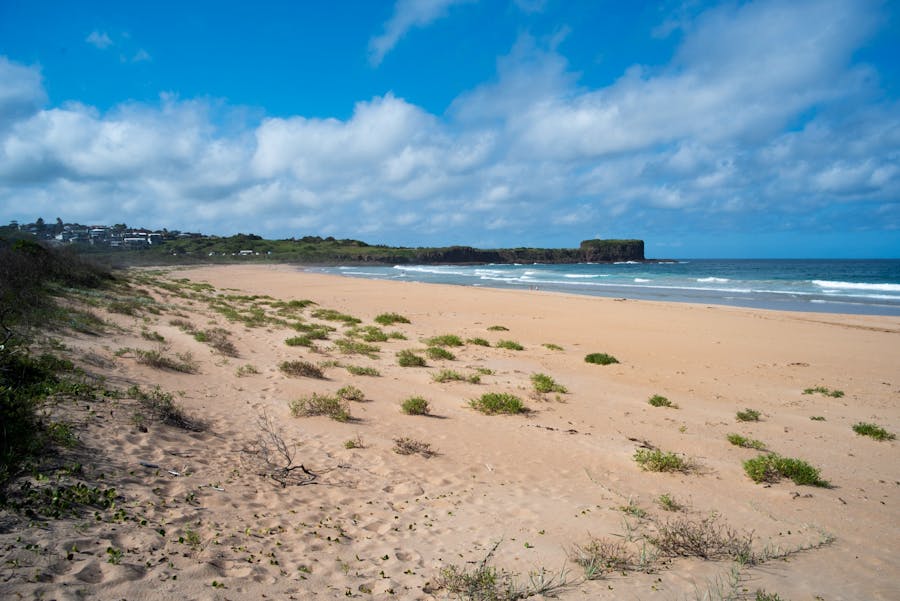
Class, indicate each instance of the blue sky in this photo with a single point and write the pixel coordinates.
(735, 129)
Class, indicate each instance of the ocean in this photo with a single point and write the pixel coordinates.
(818, 285)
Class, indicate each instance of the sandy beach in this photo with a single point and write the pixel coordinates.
(367, 522)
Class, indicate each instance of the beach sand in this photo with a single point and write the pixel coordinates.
(377, 524)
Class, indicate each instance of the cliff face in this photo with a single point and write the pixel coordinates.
(590, 251)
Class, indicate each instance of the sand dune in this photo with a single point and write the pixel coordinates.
(376, 524)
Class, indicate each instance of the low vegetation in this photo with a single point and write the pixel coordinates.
(300, 368)
(485, 582)
(600, 359)
(348, 346)
(667, 502)
(388, 319)
(543, 383)
(773, 467)
(410, 446)
(359, 370)
(510, 345)
(498, 329)
(492, 403)
(445, 340)
(332, 315)
(655, 460)
(407, 358)
(552, 347)
(415, 406)
(449, 375)
(160, 359)
(661, 401)
(246, 370)
(439, 353)
(478, 342)
(748, 415)
(321, 404)
(873, 431)
(707, 538)
(747, 443)
(351, 393)
(823, 390)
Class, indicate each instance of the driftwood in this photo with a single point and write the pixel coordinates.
(270, 456)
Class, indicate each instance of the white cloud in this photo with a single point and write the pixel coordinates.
(532, 154)
(141, 56)
(407, 15)
(99, 40)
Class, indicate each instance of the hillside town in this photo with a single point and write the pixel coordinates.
(112, 236)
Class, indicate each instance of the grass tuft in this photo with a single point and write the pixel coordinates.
(600, 359)
(747, 443)
(478, 342)
(492, 403)
(552, 347)
(439, 353)
(302, 369)
(351, 393)
(544, 383)
(510, 344)
(415, 406)
(358, 370)
(748, 415)
(773, 467)
(320, 404)
(873, 431)
(655, 460)
(445, 340)
(830, 392)
(246, 370)
(407, 358)
(498, 329)
(388, 319)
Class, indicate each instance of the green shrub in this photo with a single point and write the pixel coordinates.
(817, 418)
(445, 340)
(437, 352)
(478, 342)
(348, 346)
(748, 443)
(320, 404)
(873, 431)
(835, 394)
(498, 329)
(314, 331)
(661, 401)
(415, 406)
(368, 334)
(654, 460)
(774, 467)
(510, 344)
(552, 347)
(407, 358)
(299, 341)
(351, 393)
(387, 319)
(748, 415)
(492, 403)
(448, 375)
(332, 315)
(301, 368)
(600, 359)
(544, 383)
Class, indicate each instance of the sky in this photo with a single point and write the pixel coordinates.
(708, 129)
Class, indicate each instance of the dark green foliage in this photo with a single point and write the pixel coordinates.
(299, 341)
(387, 319)
(600, 359)
(445, 340)
(358, 370)
(873, 431)
(748, 443)
(61, 501)
(492, 403)
(661, 401)
(544, 383)
(774, 467)
(407, 358)
(348, 346)
(313, 331)
(478, 342)
(498, 329)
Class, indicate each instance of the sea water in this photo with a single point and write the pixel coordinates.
(820, 285)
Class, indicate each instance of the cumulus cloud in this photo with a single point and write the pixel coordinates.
(407, 15)
(99, 40)
(532, 156)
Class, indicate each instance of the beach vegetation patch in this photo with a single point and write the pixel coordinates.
(747, 443)
(300, 368)
(552, 347)
(773, 467)
(407, 358)
(321, 404)
(484, 371)
(823, 390)
(667, 502)
(492, 403)
(706, 537)
(600, 359)
(498, 329)
(159, 359)
(313, 331)
(543, 383)
(602, 556)
(510, 344)
(655, 460)
(873, 431)
(368, 334)
(354, 443)
(415, 406)
(332, 315)
(348, 346)
(748, 415)
(445, 340)
(437, 352)
(389, 319)
(351, 393)
(478, 341)
(409, 446)
(661, 401)
(448, 375)
(153, 336)
(359, 370)
(299, 341)
(485, 582)
(817, 418)
(246, 370)
(162, 406)
(218, 338)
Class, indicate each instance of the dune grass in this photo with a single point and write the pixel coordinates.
(655, 460)
(873, 431)
(301, 369)
(445, 340)
(407, 358)
(773, 467)
(824, 390)
(478, 342)
(389, 319)
(543, 383)
(600, 359)
(747, 443)
(492, 403)
(748, 415)
(359, 370)
(414, 406)
(320, 404)
(437, 352)
(510, 345)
